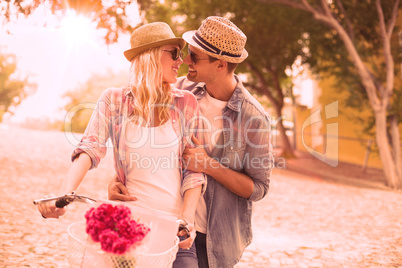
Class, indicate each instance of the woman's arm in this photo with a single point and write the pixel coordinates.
(190, 111)
(75, 175)
(88, 152)
(190, 201)
(191, 197)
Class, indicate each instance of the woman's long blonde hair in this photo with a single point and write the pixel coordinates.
(148, 87)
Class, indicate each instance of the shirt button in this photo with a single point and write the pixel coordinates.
(174, 121)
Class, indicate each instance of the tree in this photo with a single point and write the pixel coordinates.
(369, 40)
(82, 100)
(109, 15)
(12, 89)
(271, 48)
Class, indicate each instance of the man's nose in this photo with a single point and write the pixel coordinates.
(187, 59)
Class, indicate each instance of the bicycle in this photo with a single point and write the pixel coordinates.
(83, 252)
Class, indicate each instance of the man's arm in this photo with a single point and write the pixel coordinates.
(236, 182)
(253, 182)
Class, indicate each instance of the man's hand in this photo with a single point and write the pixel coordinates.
(196, 159)
(117, 191)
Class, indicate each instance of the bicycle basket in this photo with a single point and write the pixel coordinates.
(84, 253)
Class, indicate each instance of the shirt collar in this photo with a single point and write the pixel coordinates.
(238, 96)
(235, 100)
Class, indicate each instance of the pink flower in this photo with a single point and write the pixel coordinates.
(104, 213)
(141, 229)
(95, 228)
(113, 227)
(121, 245)
(120, 213)
(125, 227)
(107, 239)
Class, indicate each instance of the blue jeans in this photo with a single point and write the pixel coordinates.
(201, 246)
(186, 258)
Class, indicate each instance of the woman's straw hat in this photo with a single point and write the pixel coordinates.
(152, 35)
(219, 38)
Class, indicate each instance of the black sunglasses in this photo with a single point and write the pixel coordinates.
(193, 57)
(176, 53)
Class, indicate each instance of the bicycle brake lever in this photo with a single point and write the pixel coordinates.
(83, 199)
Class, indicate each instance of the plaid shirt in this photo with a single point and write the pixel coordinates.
(109, 120)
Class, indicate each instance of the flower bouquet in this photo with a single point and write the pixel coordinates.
(110, 237)
(117, 233)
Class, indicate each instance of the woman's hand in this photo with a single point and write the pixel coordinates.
(190, 232)
(49, 209)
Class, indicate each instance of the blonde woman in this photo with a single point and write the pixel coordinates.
(148, 123)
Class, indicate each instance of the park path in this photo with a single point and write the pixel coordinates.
(303, 222)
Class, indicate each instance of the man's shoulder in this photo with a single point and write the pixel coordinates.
(251, 104)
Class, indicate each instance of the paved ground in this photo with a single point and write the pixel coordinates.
(305, 221)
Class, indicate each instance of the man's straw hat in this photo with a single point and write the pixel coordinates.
(152, 35)
(219, 38)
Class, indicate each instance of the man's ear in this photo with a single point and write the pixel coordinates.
(222, 65)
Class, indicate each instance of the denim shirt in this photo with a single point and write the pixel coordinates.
(245, 148)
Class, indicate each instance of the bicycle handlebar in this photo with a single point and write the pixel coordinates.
(62, 201)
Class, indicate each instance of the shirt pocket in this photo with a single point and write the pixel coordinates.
(234, 155)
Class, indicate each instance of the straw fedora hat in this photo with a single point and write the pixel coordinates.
(219, 38)
(152, 35)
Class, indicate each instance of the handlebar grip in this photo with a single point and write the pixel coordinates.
(62, 202)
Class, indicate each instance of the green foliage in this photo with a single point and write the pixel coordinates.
(85, 97)
(12, 89)
(273, 40)
(330, 58)
(109, 15)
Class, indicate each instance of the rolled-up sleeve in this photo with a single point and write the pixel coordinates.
(259, 161)
(193, 180)
(191, 113)
(96, 134)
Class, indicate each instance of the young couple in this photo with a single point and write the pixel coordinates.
(218, 132)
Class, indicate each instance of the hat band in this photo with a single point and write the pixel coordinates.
(210, 48)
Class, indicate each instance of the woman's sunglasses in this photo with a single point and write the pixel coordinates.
(176, 54)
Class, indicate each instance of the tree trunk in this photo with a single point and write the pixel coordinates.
(389, 158)
(389, 166)
(396, 144)
(287, 150)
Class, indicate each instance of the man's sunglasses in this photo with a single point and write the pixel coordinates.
(176, 54)
(193, 57)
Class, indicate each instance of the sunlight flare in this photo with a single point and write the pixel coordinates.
(76, 29)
